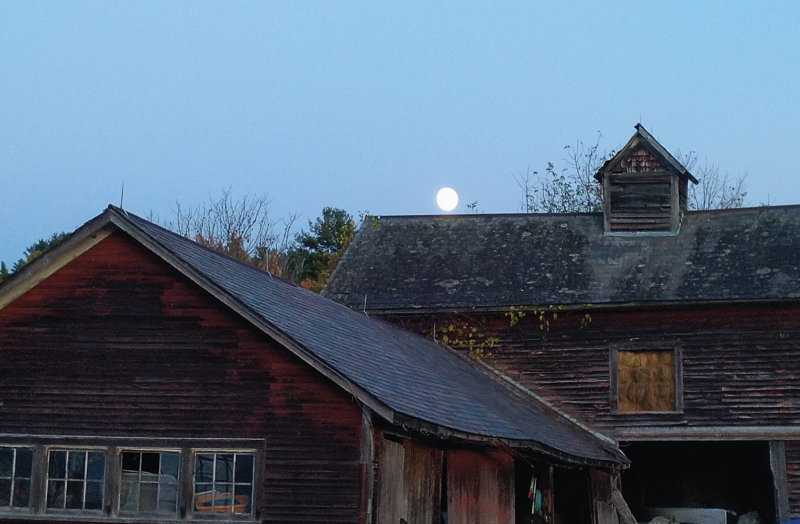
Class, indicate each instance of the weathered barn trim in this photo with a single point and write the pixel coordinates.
(710, 433)
(777, 462)
(46, 265)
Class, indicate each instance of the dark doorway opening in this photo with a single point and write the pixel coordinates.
(734, 476)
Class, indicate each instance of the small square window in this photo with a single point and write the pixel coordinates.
(16, 466)
(75, 479)
(149, 482)
(223, 483)
(646, 381)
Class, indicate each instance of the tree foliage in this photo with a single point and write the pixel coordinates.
(573, 188)
(243, 229)
(317, 251)
(715, 190)
(33, 252)
(238, 227)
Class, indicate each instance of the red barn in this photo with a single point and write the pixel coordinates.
(674, 332)
(145, 378)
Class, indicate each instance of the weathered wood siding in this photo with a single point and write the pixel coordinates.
(480, 487)
(409, 482)
(117, 343)
(740, 365)
(793, 477)
(640, 202)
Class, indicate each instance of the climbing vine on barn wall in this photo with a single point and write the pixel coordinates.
(470, 333)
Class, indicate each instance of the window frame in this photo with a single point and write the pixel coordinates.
(20, 510)
(117, 510)
(45, 482)
(192, 514)
(639, 346)
(113, 447)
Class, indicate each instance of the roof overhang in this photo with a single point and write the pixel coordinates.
(643, 137)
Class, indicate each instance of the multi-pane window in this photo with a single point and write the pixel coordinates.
(223, 483)
(16, 465)
(75, 479)
(149, 482)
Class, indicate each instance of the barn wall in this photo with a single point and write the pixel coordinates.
(480, 487)
(409, 482)
(118, 344)
(739, 365)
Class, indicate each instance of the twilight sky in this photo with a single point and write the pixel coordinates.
(373, 105)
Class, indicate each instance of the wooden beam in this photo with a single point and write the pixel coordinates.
(777, 463)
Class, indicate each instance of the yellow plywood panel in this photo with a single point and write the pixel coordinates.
(646, 381)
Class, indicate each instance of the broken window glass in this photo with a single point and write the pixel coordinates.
(149, 482)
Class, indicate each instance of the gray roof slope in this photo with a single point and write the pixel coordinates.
(401, 263)
(409, 374)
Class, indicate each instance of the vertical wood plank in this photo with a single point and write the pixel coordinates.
(777, 463)
(391, 490)
(480, 487)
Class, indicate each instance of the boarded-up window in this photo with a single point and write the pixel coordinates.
(646, 381)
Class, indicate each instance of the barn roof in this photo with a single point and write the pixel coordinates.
(402, 376)
(415, 263)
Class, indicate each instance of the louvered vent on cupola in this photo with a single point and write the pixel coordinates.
(645, 189)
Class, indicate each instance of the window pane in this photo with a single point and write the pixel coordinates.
(169, 464)
(55, 494)
(129, 496)
(244, 468)
(57, 468)
(130, 461)
(204, 468)
(224, 467)
(5, 492)
(223, 498)
(94, 495)
(97, 465)
(168, 497)
(148, 497)
(24, 463)
(150, 463)
(22, 493)
(6, 462)
(243, 496)
(76, 465)
(204, 497)
(74, 494)
(646, 381)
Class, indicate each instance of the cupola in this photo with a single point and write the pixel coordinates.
(645, 189)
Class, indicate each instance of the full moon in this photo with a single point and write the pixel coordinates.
(447, 198)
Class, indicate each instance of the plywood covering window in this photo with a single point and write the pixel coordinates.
(647, 381)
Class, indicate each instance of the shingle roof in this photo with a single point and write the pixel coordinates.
(411, 375)
(402, 263)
